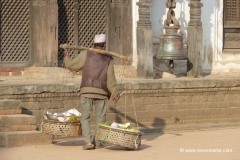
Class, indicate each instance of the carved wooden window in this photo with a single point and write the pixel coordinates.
(91, 20)
(65, 25)
(14, 32)
(232, 24)
(232, 12)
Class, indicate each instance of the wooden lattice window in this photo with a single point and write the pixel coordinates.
(232, 24)
(79, 21)
(14, 31)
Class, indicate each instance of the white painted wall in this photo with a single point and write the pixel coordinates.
(214, 60)
(210, 31)
(135, 19)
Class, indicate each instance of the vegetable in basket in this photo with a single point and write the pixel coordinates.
(74, 119)
(126, 126)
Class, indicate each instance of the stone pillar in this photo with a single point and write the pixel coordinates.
(194, 40)
(44, 32)
(144, 41)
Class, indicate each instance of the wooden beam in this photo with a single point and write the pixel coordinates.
(125, 58)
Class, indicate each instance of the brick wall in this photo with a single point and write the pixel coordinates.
(20, 72)
(145, 103)
(182, 108)
(11, 71)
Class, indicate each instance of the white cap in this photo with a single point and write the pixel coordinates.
(100, 38)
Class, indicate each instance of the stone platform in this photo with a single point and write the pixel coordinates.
(152, 104)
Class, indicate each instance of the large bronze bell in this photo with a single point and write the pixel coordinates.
(171, 43)
(171, 47)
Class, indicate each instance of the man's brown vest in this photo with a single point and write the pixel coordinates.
(94, 73)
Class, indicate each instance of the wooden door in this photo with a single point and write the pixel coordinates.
(119, 27)
(231, 24)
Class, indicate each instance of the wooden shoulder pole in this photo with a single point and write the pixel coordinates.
(65, 46)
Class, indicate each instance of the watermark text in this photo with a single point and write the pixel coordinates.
(206, 150)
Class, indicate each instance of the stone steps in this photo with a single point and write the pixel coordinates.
(17, 122)
(24, 138)
(18, 129)
(9, 107)
(12, 128)
(17, 119)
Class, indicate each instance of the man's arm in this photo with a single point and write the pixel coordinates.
(76, 63)
(112, 82)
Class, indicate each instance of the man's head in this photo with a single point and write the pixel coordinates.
(100, 41)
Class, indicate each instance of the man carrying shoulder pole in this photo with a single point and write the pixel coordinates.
(97, 87)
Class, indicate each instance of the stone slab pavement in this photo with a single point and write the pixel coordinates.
(220, 144)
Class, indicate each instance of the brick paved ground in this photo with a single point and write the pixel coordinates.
(221, 144)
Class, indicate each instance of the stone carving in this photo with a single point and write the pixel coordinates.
(144, 13)
(195, 13)
(171, 20)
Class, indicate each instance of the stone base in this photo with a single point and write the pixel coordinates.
(125, 71)
(24, 138)
(47, 73)
(161, 69)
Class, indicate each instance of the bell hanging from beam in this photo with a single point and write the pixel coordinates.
(171, 43)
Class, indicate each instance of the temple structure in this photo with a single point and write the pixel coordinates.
(200, 92)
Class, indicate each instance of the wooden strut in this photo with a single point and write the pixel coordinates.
(66, 46)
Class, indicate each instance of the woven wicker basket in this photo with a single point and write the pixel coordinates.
(117, 136)
(61, 128)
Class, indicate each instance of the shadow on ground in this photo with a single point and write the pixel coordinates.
(115, 147)
(69, 142)
(80, 142)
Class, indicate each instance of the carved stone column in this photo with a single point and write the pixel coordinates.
(44, 32)
(194, 40)
(144, 41)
